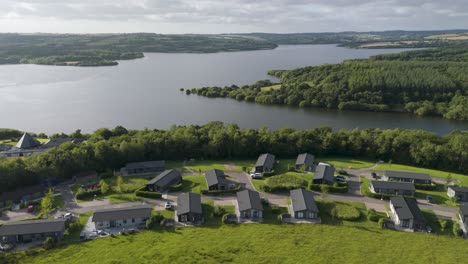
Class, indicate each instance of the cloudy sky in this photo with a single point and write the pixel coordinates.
(217, 16)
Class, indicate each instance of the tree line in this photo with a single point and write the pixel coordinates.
(106, 150)
(423, 82)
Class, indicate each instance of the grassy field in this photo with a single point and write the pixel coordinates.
(463, 179)
(345, 162)
(439, 195)
(269, 88)
(193, 184)
(227, 165)
(322, 243)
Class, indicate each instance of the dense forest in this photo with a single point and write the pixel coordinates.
(110, 149)
(423, 82)
(105, 49)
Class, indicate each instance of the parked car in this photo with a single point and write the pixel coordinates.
(340, 179)
(429, 199)
(429, 229)
(68, 216)
(6, 247)
(31, 209)
(374, 175)
(256, 175)
(82, 236)
(168, 205)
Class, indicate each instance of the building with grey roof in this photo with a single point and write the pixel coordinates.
(265, 163)
(249, 204)
(404, 176)
(146, 167)
(406, 214)
(189, 208)
(34, 230)
(305, 162)
(27, 142)
(460, 193)
(121, 217)
(392, 188)
(303, 204)
(324, 174)
(216, 180)
(163, 181)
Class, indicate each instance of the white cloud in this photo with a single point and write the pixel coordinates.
(214, 16)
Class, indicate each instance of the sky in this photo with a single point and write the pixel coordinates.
(233, 16)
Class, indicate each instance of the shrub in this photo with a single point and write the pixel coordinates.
(143, 193)
(219, 211)
(219, 192)
(372, 215)
(341, 187)
(427, 187)
(81, 195)
(345, 212)
(175, 188)
(154, 221)
(269, 173)
(456, 229)
(229, 219)
(443, 224)
(49, 243)
(275, 209)
(106, 175)
(381, 222)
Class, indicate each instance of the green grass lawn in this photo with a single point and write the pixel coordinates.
(193, 184)
(225, 165)
(463, 179)
(74, 236)
(439, 195)
(346, 162)
(434, 222)
(252, 243)
(272, 87)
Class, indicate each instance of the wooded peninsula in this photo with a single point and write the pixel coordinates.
(423, 82)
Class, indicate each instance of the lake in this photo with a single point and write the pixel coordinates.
(144, 93)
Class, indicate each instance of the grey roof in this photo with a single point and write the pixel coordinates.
(189, 203)
(146, 164)
(165, 177)
(305, 158)
(303, 200)
(408, 186)
(407, 175)
(464, 210)
(248, 199)
(325, 172)
(55, 142)
(214, 176)
(121, 213)
(265, 160)
(32, 227)
(27, 141)
(407, 208)
(459, 189)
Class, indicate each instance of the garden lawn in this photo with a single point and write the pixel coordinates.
(75, 235)
(434, 222)
(224, 165)
(321, 243)
(193, 184)
(345, 162)
(439, 195)
(463, 179)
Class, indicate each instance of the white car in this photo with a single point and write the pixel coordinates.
(256, 175)
(168, 205)
(68, 216)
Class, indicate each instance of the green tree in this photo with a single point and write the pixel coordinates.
(104, 187)
(119, 184)
(449, 179)
(47, 203)
(325, 189)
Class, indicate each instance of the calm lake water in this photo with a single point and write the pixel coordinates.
(145, 93)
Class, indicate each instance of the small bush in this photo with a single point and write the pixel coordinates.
(49, 243)
(372, 215)
(143, 193)
(269, 173)
(81, 195)
(219, 211)
(275, 209)
(154, 221)
(381, 222)
(443, 224)
(219, 192)
(456, 229)
(176, 188)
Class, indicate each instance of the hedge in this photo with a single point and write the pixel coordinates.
(269, 173)
(143, 193)
(336, 188)
(87, 194)
(427, 187)
(219, 192)
(176, 188)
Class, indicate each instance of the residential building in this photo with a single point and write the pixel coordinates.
(460, 193)
(324, 174)
(249, 204)
(163, 181)
(404, 176)
(28, 145)
(303, 204)
(216, 180)
(265, 163)
(392, 188)
(146, 167)
(34, 230)
(406, 213)
(305, 162)
(463, 213)
(189, 208)
(121, 217)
